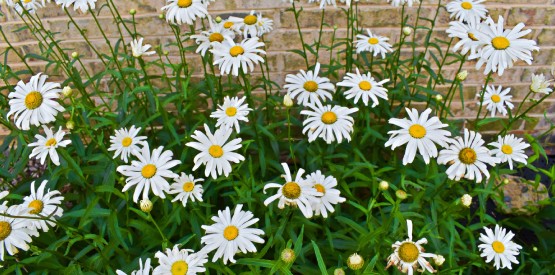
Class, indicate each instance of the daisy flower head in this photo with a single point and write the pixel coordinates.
(373, 43)
(363, 86)
(143, 270)
(34, 103)
(510, 149)
(326, 186)
(323, 3)
(328, 122)
(149, 172)
(408, 255)
(216, 33)
(231, 112)
(185, 11)
(466, 33)
(229, 24)
(47, 145)
(308, 87)
(230, 234)
(469, 157)
(421, 133)
(186, 188)
(139, 50)
(498, 246)
(230, 56)
(540, 85)
(216, 152)
(295, 193)
(397, 3)
(30, 6)
(180, 261)
(126, 142)
(82, 5)
(469, 11)
(253, 24)
(15, 233)
(43, 204)
(503, 46)
(495, 100)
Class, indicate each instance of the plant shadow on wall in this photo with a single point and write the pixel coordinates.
(191, 156)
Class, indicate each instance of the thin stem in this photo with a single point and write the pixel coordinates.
(300, 33)
(488, 78)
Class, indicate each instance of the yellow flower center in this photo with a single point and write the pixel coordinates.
(291, 190)
(310, 86)
(408, 252)
(188, 186)
(236, 50)
(216, 37)
(180, 268)
(27, 1)
(498, 247)
(37, 206)
(148, 171)
(216, 151)
(250, 19)
(184, 3)
(365, 85)
(231, 111)
(373, 41)
(467, 156)
(5, 230)
(507, 149)
(320, 188)
(417, 131)
(33, 100)
(500, 43)
(231, 232)
(495, 98)
(466, 5)
(228, 24)
(126, 141)
(51, 142)
(329, 117)
(471, 36)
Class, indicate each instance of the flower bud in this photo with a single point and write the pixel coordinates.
(146, 205)
(166, 52)
(505, 181)
(161, 16)
(553, 69)
(535, 248)
(439, 98)
(355, 262)
(439, 260)
(407, 30)
(401, 194)
(466, 200)
(339, 271)
(75, 55)
(384, 185)
(218, 19)
(462, 75)
(67, 91)
(70, 125)
(132, 11)
(287, 101)
(288, 255)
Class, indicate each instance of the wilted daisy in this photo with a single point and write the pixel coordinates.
(186, 188)
(331, 196)
(495, 100)
(469, 157)
(328, 122)
(295, 193)
(46, 145)
(34, 102)
(230, 234)
(185, 11)
(308, 87)
(83, 5)
(510, 148)
(499, 247)
(149, 172)
(469, 11)
(230, 57)
(323, 3)
(15, 233)
(216, 152)
(180, 261)
(142, 270)
(126, 142)
(397, 3)
(231, 112)
(139, 50)
(409, 255)
(43, 204)
(466, 33)
(30, 6)
(363, 86)
(216, 33)
(253, 25)
(373, 43)
(540, 85)
(420, 133)
(503, 46)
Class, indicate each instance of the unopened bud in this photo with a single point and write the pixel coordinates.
(462, 75)
(70, 125)
(161, 16)
(466, 200)
(439, 260)
(505, 181)
(288, 255)
(75, 55)
(339, 271)
(401, 194)
(553, 69)
(407, 30)
(535, 249)
(439, 98)
(335, 27)
(146, 205)
(166, 52)
(67, 91)
(355, 262)
(218, 19)
(384, 185)
(132, 11)
(287, 101)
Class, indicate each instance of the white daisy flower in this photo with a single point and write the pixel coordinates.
(295, 193)
(503, 46)
(363, 86)
(510, 148)
(397, 3)
(46, 145)
(139, 50)
(323, 3)
(348, 2)
(149, 172)
(34, 102)
(252, 25)
(409, 255)
(126, 142)
(420, 133)
(231, 112)
(216, 33)
(142, 270)
(187, 188)
(373, 43)
(331, 196)
(308, 87)
(499, 247)
(185, 11)
(30, 6)
(469, 157)
(230, 57)
(230, 234)
(180, 261)
(229, 24)
(43, 204)
(495, 100)
(540, 85)
(466, 33)
(329, 122)
(216, 152)
(15, 233)
(83, 5)
(469, 11)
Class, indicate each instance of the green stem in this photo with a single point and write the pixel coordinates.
(488, 78)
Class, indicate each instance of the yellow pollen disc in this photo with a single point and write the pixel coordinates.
(37, 206)
(231, 111)
(320, 188)
(498, 247)
(216, 37)
(5, 230)
(417, 131)
(500, 43)
(495, 98)
(311, 86)
(291, 190)
(126, 141)
(184, 3)
(231, 232)
(27, 1)
(148, 171)
(180, 268)
(236, 50)
(228, 25)
(471, 36)
(33, 100)
(467, 156)
(329, 117)
(466, 5)
(507, 149)
(250, 19)
(51, 142)
(188, 186)
(365, 85)
(216, 151)
(408, 252)
(373, 41)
